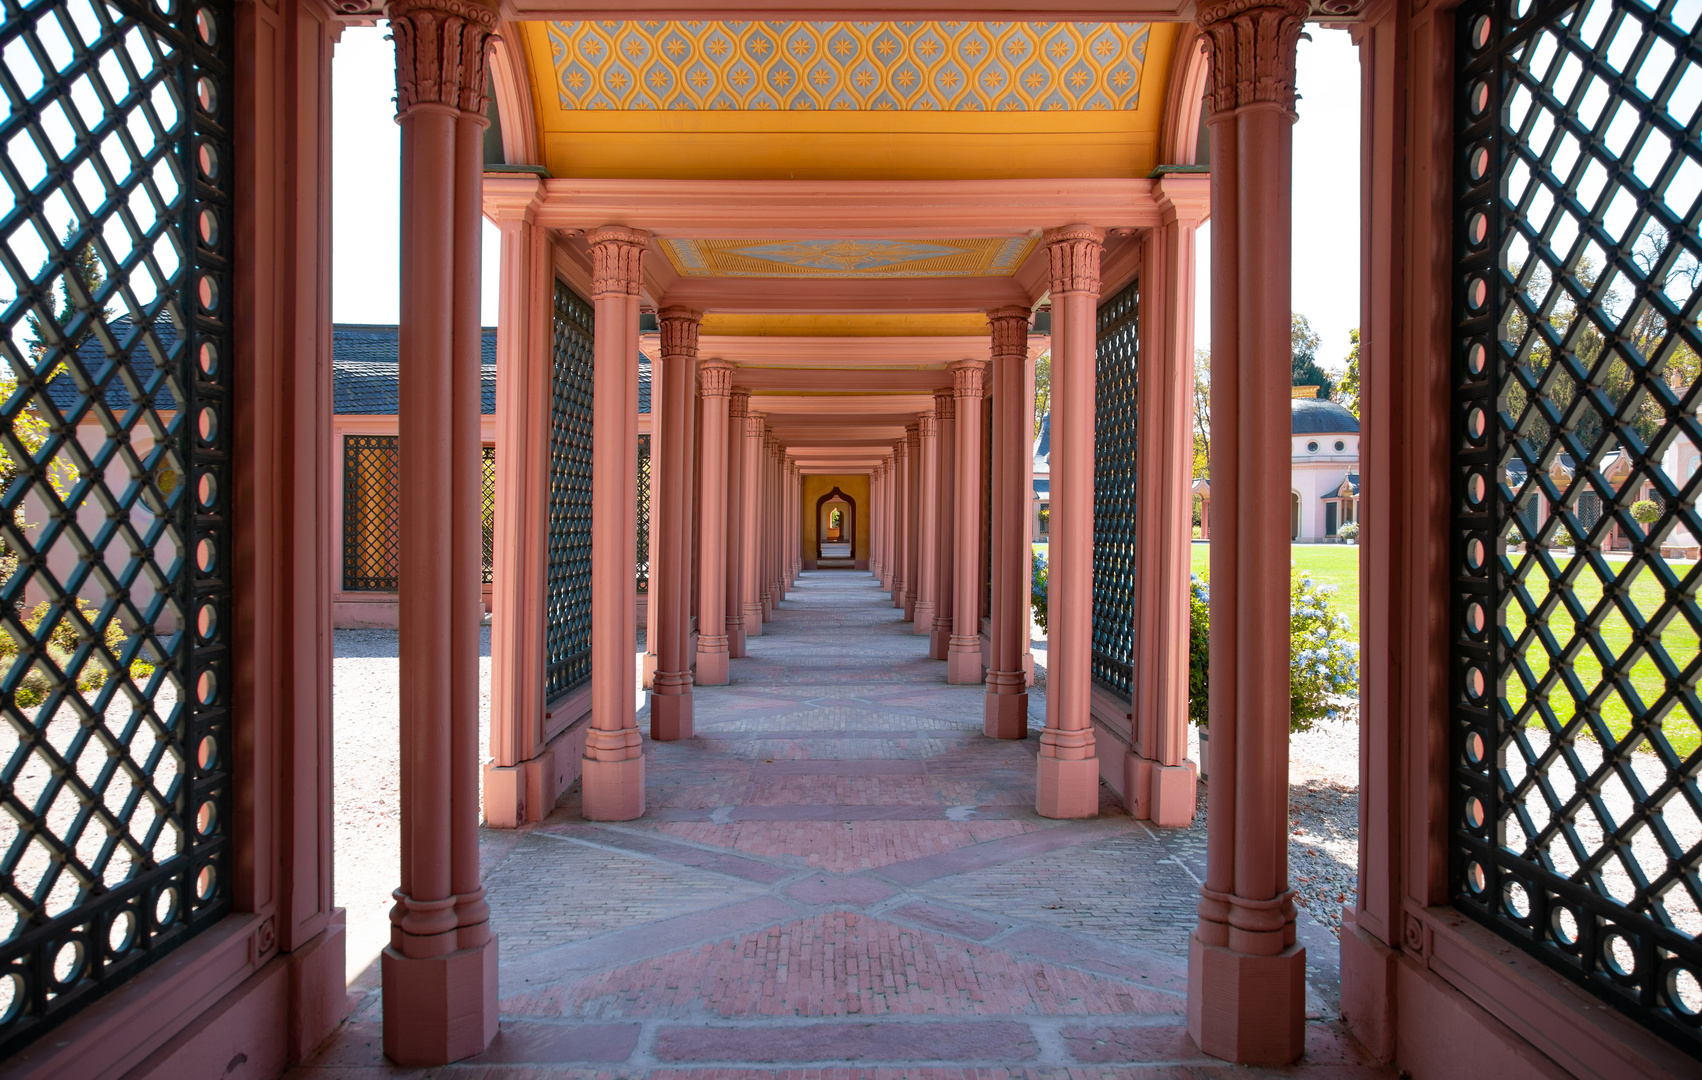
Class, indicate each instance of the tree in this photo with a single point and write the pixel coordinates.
(1042, 388)
(1304, 342)
(1347, 390)
(1202, 413)
(86, 268)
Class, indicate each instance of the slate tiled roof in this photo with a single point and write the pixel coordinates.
(1315, 416)
(1334, 493)
(365, 359)
(63, 392)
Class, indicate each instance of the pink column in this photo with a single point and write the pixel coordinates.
(670, 573)
(963, 655)
(613, 780)
(522, 489)
(750, 551)
(651, 611)
(900, 521)
(927, 512)
(1246, 975)
(1068, 767)
(765, 524)
(795, 548)
(945, 522)
(1160, 784)
(1007, 683)
(439, 970)
(912, 517)
(738, 414)
(877, 518)
(716, 377)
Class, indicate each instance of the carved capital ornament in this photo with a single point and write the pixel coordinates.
(678, 328)
(1252, 45)
(617, 260)
(715, 378)
(740, 404)
(929, 427)
(945, 405)
(1074, 252)
(967, 375)
(442, 47)
(1010, 331)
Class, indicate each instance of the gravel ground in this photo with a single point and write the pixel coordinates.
(368, 814)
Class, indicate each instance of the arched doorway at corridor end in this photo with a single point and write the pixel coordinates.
(824, 545)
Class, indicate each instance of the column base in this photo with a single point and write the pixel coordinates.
(1007, 706)
(963, 667)
(753, 620)
(711, 661)
(939, 639)
(767, 607)
(440, 1008)
(909, 606)
(736, 637)
(649, 676)
(1161, 794)
(1247, 1009)
(898, 594)
(612, 790)
(923, 612)
(1066, 788)
(670, 706)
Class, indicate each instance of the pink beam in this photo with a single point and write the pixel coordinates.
(1068, 765)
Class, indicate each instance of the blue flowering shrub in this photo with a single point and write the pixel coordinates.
(1037, 589)
(1325, 661)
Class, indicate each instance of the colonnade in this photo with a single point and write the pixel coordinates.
(735, 560)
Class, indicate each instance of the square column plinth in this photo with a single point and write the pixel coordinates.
(1247, 1009)
(439, 1009)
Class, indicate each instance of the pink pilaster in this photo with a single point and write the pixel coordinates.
(963, 655)
(877, 522)
(912, 517)
(716, 380)
(613, 783)
(1160, 784)
(945, 521)
(670, 568)
(1007, 683)
(439, 970)
(927, 523)
(900, 520)
(522, 526)
(738, 414)
(1068, 767)
(750, 550)
(1246, 975)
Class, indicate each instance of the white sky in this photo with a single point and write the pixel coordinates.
(1326, 191)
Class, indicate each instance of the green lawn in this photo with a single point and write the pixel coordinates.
(1338, 565)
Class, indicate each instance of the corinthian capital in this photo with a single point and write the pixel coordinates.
(1010, 330)
(945, 405)
(967, 376)
(441, 48)
(1252, 45)
(715, 378)
(617, 260)
(678, 328)
(929, 426)
(1075, 257)
(740, 404)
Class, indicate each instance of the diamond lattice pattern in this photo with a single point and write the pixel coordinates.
(1577, 814)
(114, 800)
(1114, 483)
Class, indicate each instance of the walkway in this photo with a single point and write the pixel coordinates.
(840, 870)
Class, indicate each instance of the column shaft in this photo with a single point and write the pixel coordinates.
(750, 572)
(670, 575)
(912, 517)
(900, 521)
(927, 512)
(439, 971)
(1007, 684)
(738, 413)
(945, 522)
(963, 656)
(1067, 762)
(717, 380)
(1246, 974)
(613, 783)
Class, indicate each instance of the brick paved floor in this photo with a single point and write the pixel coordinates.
(841, 877)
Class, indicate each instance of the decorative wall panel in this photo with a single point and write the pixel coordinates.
(115, 740)
(1115, 478)
(371, 512)
(1576, 816)
(567, 582)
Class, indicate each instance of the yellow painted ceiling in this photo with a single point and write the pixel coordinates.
(886, 100)
(848, 258)
(895, 325)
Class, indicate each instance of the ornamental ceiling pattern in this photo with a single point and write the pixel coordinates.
(990, 257)
(862, 66)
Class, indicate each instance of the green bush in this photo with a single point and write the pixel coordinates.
(62, 644)
(1325, 660)
(1645, 511)
(1037, 588)
(1562, 539)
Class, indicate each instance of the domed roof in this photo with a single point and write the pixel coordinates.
(1313, 416)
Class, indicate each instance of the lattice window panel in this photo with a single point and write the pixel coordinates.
(487, 514)
(115, 799)
(567, 590)
(1576, 819)
(1115, 479)
(644, 513)
(371, 512)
